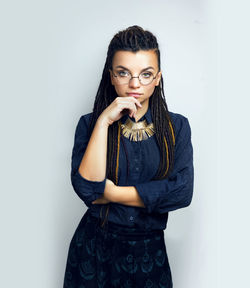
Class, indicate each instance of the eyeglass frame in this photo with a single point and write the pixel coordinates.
(135, 77)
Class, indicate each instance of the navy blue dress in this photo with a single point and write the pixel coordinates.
(129, 250)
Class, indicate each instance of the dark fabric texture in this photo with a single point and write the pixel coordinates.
(160, 196)
(116, 256)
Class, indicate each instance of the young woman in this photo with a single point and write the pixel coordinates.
(132, 163)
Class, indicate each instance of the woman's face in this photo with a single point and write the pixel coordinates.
(135, 63)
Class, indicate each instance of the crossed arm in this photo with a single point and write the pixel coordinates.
(126, 195)
(161, 196)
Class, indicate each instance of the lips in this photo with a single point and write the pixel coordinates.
(134, 94)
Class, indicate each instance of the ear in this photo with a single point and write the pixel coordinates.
(111, 77)
(158, 78)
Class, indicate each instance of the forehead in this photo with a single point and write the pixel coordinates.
(135, 60)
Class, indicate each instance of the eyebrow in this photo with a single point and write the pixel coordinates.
(147, 68)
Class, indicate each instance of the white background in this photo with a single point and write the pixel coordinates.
(52, 57)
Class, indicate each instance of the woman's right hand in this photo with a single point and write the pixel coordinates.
(119, 107)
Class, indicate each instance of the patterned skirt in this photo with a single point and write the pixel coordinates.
(116, 256)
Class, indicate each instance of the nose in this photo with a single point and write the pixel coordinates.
(134, 82)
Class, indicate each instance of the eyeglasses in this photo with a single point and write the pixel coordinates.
(123, 77)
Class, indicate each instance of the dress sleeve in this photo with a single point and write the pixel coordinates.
(176, 191)
(86, 189)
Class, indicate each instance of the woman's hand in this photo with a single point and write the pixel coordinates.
(101, 200)
(108, 193)
(119, 107)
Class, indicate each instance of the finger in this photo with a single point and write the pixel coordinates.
(96, 202)
(129, 104)
(132, 109)
(126, 100)
(138, 103)
(135, 107)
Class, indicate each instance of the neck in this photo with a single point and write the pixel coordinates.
(142, 110)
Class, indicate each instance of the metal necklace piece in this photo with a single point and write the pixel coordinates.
(137, 131)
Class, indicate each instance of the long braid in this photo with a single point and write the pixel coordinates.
(117, 152)
(127, 158)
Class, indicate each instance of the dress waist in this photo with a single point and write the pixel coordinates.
(123, 231)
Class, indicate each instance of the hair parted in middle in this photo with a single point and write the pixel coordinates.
(134, 39)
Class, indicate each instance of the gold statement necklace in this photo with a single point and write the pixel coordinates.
(137, 131)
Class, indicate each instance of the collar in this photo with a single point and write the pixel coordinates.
(146, 116)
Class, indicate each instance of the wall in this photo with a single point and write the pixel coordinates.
(52, 58)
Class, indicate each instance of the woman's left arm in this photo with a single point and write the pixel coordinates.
(126, 195)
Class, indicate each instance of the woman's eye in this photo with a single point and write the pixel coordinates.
(123, 73)
(146, 74)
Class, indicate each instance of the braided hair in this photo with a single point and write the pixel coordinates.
(134, 39)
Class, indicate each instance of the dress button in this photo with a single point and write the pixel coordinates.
(131, 218)
(136, 168)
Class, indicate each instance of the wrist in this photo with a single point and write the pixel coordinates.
(114, 193)
(102, 122)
